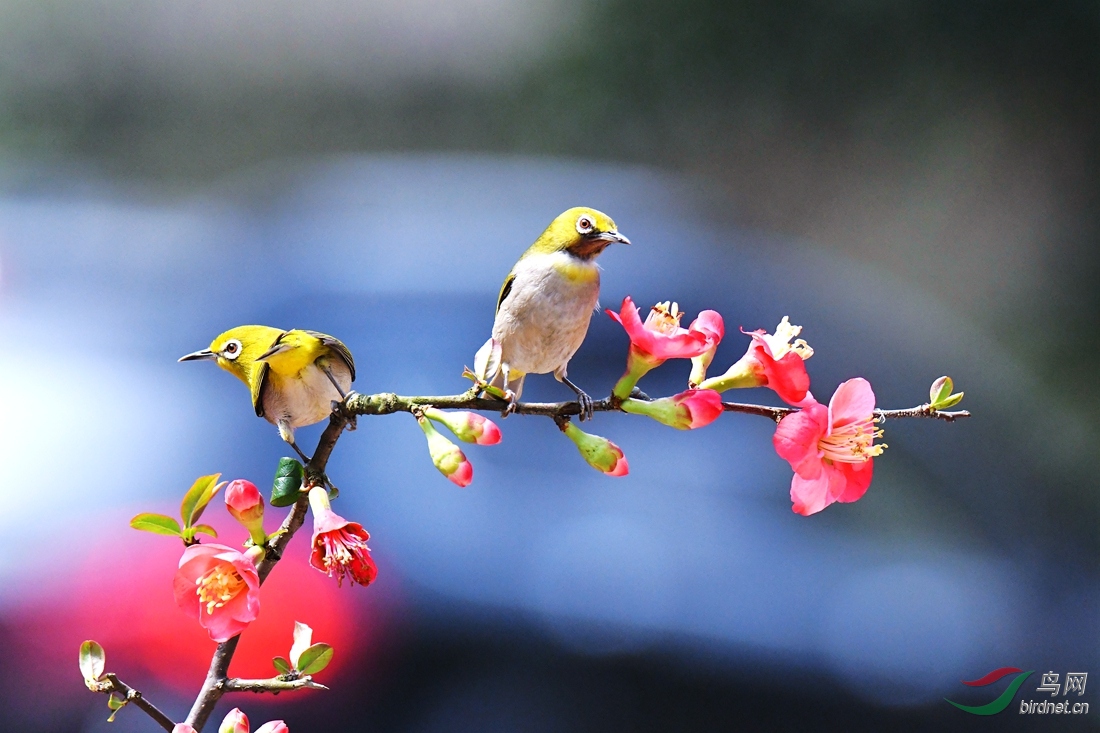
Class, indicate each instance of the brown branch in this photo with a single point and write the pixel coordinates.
(112, 683)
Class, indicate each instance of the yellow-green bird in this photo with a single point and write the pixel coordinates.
(295, 376)
(547, 301)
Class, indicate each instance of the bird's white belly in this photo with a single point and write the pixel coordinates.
(545, 317)
(305, 400)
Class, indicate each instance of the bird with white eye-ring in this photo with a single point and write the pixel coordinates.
(546, 304)
(296, 377)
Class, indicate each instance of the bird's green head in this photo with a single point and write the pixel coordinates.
(580, 231)
(238, 350)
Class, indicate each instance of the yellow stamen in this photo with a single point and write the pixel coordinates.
(853, 443)
(219, 586)
(664, 318)
(779, 342)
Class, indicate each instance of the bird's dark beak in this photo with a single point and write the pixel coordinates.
(275, 349)
(204, 354)
(613, 236)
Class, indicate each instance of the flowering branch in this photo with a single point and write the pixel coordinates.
(388, 403)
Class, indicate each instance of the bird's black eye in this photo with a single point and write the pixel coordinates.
(584, 225)
(232, 349)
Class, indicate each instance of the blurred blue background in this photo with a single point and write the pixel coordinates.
(915, 184)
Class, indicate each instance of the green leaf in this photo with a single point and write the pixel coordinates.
(205, 529)
(92, 659)
(157, 524)
(281, 665)
(115, 702)
(940, 389)
(288, 482)
(950, 401)
(197, 497)
(314, 659)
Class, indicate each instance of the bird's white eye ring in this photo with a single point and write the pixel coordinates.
(584, 224)
(232, 349)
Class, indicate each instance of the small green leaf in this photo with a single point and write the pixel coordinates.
(949, 401)
(92, 659)
(281, 665)
(197, 497)
(940, 389)
(314, 659)
(303, 638)
(115, 702)
(288, 482)
(157, 524)
(205, 529)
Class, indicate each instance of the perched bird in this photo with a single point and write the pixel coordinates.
(547, 301)
(295, 376)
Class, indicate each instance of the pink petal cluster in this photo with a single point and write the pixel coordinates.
(183, 728)
(660, 337)
(339, 547)
(220, 587)
(830, 449)
(237, 722)
(688, 410)
(771, 361)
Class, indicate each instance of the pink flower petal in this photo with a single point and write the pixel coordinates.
(809, 496)
(853, 401)
(797, 435)
(857, 478)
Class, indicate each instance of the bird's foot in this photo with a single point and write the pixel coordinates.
(510, 398)
(340, 407)
(586, 406)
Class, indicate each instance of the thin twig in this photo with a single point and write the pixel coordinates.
(273, 685)
(113, 684)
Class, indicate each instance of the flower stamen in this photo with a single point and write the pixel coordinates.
(218, 587)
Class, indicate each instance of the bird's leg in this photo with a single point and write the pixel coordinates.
(305, 459)
(352, 424)
(510, 396)
(582, 397)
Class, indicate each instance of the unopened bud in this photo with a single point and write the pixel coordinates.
(685, 411)
(446, 456)
(246, 504)
(600, 453)
(467, 426)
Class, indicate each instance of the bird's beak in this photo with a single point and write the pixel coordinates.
(204, 354)
(613, 236)
(275, 349)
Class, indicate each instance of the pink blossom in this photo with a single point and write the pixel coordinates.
(183, 728)
(771, 361)
(220, 587)
(688, 410)
(660, 338)
(830, 449)
(339, 547)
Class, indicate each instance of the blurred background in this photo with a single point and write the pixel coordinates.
(917, 184)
